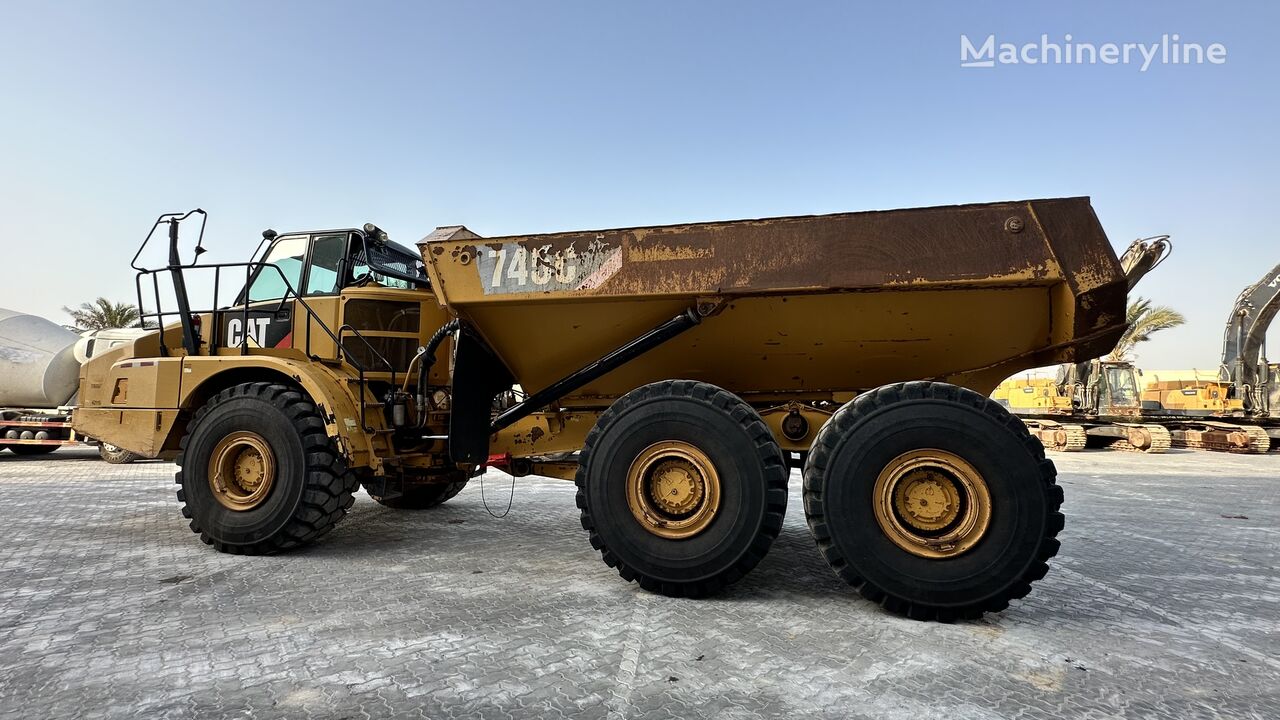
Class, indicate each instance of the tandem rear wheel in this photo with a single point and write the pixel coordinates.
(682, 487)
(257, 472)
(932, 501)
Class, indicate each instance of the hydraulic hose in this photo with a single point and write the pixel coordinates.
(427, 359)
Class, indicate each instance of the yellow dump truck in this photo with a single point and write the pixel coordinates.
(672, 372)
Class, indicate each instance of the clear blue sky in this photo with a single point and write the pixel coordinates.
(539, 116)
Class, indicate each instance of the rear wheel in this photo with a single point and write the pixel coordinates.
(682, 487)
(258, 473)
(932, 500)
(116, 455)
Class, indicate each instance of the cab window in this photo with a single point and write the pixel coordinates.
(288, 255)
(327, 252)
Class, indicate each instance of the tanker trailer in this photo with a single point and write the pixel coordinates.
(39, 375)
(669, 371)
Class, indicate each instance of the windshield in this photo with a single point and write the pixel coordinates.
(287, 254)
(1123, 385)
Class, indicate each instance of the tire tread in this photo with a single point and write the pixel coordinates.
(840, 425)
(328, 484)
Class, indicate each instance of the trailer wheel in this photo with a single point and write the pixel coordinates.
(682, 487)
(116, 455)
(258, 473)
(932, 501)
(422, 497)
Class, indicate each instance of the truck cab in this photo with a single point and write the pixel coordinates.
(341, 311)
(327, 271)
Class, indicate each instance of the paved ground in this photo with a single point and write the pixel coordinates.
(1165, 602)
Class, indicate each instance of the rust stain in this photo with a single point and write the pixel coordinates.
(661, 253)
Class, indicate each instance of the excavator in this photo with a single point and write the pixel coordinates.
(1089, 404)
(1244, 395)
(1098, 403)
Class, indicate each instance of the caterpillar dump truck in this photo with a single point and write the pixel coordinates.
(670, 371)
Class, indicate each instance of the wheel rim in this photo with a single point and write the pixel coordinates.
(932, 503)
(673, 490)
(242, 470)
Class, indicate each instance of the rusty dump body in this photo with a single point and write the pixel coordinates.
(815, 307)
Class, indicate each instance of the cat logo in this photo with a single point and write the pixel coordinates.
(257, 334)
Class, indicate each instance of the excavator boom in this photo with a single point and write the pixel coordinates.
(1244, 341)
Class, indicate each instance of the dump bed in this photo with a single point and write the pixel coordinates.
(809, 306)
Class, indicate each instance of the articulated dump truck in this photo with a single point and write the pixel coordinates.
(675, 373)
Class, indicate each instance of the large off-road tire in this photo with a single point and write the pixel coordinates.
(32, 449)
(682, 487)
(258, 473)
(422, 497)
(932, 500)
(116, 455)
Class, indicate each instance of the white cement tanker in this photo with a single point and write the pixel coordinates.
(39, 376)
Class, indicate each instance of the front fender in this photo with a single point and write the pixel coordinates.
(334, 391)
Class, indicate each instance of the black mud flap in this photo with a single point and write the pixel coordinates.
(478, 377)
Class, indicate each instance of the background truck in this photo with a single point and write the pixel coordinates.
(39, 375)
(674, 373)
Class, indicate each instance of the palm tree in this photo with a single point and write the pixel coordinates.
(102, 314)
(1144, 321)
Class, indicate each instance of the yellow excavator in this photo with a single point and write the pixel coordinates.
(1098, 403)
(1089, 404)
(1243, 396)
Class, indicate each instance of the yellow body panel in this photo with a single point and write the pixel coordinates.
(1188, 392)
(1023, 394)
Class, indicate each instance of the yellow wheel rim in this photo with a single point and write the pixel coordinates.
(242, 470)
(673, 490)
(932, 503)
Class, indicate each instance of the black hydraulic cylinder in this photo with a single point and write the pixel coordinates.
(606, 364)
(189, 340)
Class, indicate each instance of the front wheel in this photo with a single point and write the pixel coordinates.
(258, 473)
(682, 487)
(932, 500)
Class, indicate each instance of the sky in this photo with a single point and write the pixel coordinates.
(526, 117)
